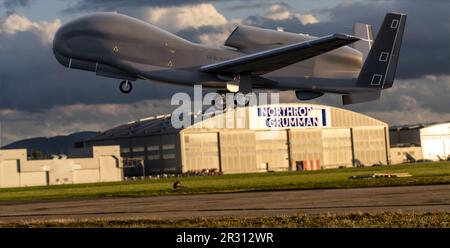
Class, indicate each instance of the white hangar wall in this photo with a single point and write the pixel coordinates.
(435, 141)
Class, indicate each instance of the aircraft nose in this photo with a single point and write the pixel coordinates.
(61, 47)
(86, 38)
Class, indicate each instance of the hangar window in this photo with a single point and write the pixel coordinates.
(153, 148)
(124, 149)
(138, 149)
(168, 147)
(169, 156)
(153, 157)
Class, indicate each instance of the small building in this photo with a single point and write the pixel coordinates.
(406, 154)
(280, 137)
(433, 139)
(91, 165)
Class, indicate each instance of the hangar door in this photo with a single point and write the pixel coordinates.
(272, 150)
(369, 145)
(306, 149)
(237, 150)
(201, 151)
(435, 147)
(337, 147)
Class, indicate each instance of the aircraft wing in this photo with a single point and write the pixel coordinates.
(266, 61)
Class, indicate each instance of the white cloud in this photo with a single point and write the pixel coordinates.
(307, 18)
(422, 100)
(190, 16)
(218, 38)
(44, 30)
(63, 120)
(215, 39)
(278, 12)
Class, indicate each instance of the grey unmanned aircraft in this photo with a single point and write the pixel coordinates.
(118, 46)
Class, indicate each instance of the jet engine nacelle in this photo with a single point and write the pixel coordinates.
(307, 95)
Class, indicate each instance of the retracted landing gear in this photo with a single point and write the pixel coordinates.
(126, 86)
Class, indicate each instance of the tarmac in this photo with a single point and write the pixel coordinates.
(435, 198)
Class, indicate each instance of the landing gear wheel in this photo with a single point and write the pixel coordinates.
(126, 87)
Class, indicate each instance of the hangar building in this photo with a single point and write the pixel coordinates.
(278, 137)
(422, 141)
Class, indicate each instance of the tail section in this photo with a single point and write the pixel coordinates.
(365, 33)
(380, 65)
(379, 69)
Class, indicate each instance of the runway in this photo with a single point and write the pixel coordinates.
(336, 201)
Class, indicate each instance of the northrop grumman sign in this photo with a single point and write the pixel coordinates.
(285, 117)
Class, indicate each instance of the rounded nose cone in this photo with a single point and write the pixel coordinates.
(84, 26)
(67, 31)
(57, 41)
(64, 47)
(88, 37)
(60, 47)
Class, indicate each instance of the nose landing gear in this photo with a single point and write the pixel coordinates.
(125, 86)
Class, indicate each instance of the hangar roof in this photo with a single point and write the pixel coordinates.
(154, 125)
(415, 126)
(161, 125)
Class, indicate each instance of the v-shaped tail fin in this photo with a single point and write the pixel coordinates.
(365, 33)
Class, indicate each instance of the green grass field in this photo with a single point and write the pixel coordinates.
(405, 220)
(427, 173)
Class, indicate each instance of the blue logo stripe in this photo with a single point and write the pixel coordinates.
(324, 118)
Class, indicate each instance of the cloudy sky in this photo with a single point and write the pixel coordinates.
(39, 97)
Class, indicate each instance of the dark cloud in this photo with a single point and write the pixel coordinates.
(16, 3)
(42, 94)
(422, 100)
(61, 120)
(425, 48)
(30, 75)
(406, 96)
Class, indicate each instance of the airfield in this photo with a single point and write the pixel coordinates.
(258, 195)
(435, 198)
